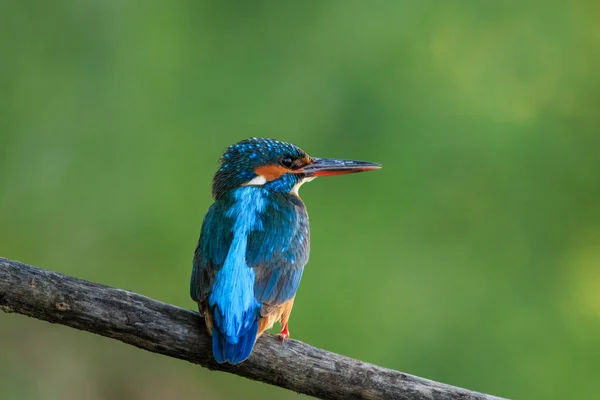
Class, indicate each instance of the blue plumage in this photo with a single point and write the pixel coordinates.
(248, 256)
(279, 252)
(254, 242)
(236, 317)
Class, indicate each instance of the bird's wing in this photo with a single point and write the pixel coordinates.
(215, 239)
(279, 251)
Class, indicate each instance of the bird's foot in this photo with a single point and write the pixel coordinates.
(284, 334)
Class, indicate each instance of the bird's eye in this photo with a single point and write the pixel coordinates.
(287, 162)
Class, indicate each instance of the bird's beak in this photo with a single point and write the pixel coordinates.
(331, 166)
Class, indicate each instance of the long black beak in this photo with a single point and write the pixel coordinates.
(331, 166)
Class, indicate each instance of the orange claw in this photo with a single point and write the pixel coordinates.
(284, 334)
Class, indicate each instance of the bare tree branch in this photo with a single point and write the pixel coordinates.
(162, 328)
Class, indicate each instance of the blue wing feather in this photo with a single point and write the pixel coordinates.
(252, 250)
(279, 252)
(216, 236)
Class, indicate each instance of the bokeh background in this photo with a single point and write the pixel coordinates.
(472, 258)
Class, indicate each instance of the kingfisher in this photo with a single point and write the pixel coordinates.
(255, 240)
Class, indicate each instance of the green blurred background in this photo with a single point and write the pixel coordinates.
(472, 258)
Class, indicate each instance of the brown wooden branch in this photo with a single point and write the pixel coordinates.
(162, 328)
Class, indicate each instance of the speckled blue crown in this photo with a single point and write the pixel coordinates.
(241, 159)
(259, 151)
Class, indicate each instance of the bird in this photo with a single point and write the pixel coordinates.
(255, 241)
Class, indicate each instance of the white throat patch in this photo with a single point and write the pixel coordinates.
(296, 187)
(258, 180)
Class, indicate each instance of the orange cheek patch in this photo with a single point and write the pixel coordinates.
(307, 161)
(271, 172)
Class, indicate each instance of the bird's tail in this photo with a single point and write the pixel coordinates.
(233, 349)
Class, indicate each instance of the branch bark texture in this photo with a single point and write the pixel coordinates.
(176, 332)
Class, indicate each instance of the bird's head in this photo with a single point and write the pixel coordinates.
(276, 166)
